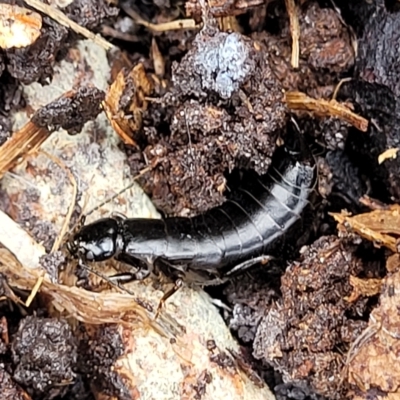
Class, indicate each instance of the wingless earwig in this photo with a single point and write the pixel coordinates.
(254, 221)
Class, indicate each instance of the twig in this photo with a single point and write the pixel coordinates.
(62, 19)
(324, 108)
(166, 26)
(28, 139)
(34, 291)
(338, 86)
(108, 31)
(294, 31)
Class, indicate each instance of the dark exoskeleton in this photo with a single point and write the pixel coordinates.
(251, 225)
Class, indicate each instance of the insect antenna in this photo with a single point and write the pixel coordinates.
(114, 196)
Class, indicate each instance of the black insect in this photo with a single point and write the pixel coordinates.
(258, 217)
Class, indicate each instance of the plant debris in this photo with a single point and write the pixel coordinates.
(364, 287)
(128, 92)
(19, 27)
(93, 14)
(71, 111)
(193, 93)
(294, 30)
(372, 364)
(379, 226)
(388, 154)
(326, 51)
(323, 108)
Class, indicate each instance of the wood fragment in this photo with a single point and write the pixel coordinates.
(382, 227)
(294, 31)
(388, 154)
(127, 121)
(373, 204)
(62, 19)
(86, 306)
(323, 108)
(233, 8)
(363, 287)
(114, 196)
(229, 24)
(34, 291)
(163, 27)
(158, 59)
(30, 137)
(19, 27)
(127, 37)
(23, 142)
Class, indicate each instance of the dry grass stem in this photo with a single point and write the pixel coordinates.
(62, 19)
(325, 108)
(294, 31)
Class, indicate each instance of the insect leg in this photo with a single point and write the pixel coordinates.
(249, 263)
(178, 284)
(122, 277)
(114, 283)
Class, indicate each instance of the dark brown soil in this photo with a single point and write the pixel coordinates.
(219, 108)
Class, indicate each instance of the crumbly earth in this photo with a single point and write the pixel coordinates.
(301, 334)
(224, 110)
(221, 107)
(44, 353)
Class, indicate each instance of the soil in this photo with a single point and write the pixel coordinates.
(206, 104)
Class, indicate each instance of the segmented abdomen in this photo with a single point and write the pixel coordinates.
(256, 216)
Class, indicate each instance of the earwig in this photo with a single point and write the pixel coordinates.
(251, 226)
